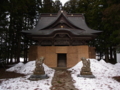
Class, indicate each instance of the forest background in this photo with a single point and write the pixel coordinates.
(18, 15)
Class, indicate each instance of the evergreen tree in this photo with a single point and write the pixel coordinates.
(107, 41)
(71, 6)
(47, 6)
(21, 15)
(3, 30)
(57, 6)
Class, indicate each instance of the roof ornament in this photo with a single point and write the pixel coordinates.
(50, 14)
(61, 26)
(61, 11)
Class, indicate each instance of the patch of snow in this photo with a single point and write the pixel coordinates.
(102, 71)
(16, 67)
(22, 83)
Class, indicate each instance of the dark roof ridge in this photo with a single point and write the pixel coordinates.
(52, 22)
(59, 14)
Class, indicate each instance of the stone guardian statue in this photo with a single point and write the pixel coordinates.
(39, 69)
(39, 72)
(86, 70)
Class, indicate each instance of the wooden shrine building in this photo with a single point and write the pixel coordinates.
(61, 38)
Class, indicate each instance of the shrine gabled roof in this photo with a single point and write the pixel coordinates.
(75, 24)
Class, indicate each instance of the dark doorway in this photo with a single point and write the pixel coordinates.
(61, 60)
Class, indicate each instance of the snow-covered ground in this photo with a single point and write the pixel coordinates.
(101, 70)
(22, 83)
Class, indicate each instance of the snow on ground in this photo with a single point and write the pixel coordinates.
(102, 71)
(22, 83)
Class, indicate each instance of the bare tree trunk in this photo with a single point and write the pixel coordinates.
(107, 55)
(111, 55)
(100, 55)
(115, 56)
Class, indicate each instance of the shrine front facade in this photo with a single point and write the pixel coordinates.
(61, 56)
(61, 38)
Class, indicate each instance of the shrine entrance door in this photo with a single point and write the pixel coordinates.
(61, 60)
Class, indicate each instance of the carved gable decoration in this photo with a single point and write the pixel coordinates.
(62, 39)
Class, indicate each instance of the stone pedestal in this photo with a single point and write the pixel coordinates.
(86, 76)
(38, 77)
